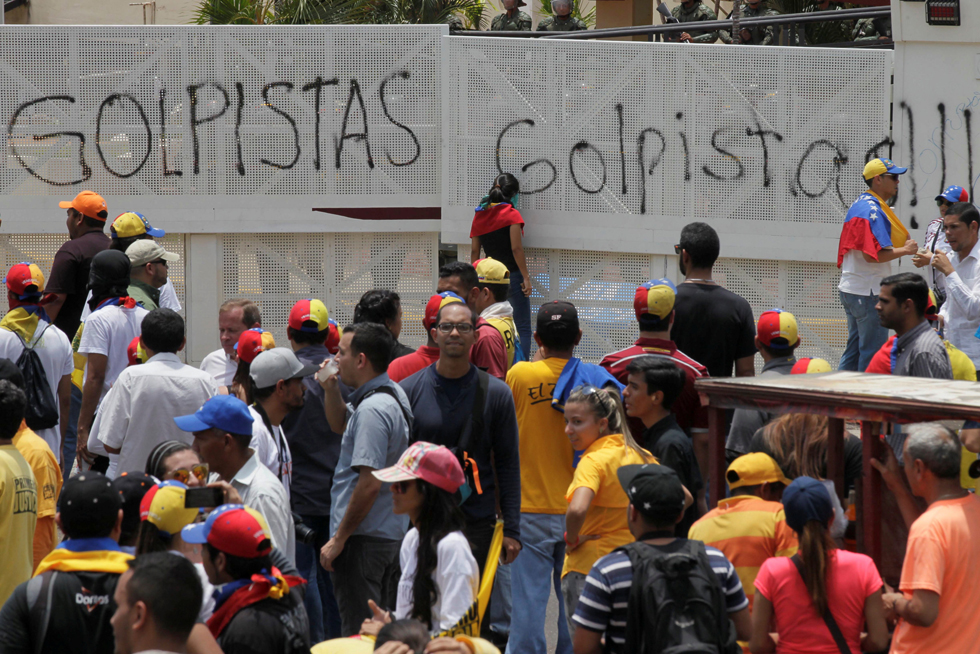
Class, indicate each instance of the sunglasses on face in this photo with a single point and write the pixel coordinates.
(677, 249)
(942, 203)
(401, 487)
(448, 327)
(162, 262)
(891, 176)
(183, 475)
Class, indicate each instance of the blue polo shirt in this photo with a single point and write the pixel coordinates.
(376, 436)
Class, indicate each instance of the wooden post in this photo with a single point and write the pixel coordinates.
(716, 455)
(869, 501)
(835, 455)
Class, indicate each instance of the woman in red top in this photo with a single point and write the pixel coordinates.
(795, 596)
(498, 229)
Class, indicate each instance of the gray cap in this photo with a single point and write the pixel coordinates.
(144, 251)
(276, 364)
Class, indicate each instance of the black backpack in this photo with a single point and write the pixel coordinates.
(676, 603)
(42, 409)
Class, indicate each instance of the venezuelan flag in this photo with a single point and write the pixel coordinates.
(870, 226)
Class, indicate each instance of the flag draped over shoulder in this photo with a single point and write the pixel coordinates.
(870, 226)
(490, 218)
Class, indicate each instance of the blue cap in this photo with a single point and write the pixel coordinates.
(954, 194)
(804, 500)
(225, 412)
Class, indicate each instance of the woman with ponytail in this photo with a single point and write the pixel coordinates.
(595, 522)
(498, 229)
(821, 600)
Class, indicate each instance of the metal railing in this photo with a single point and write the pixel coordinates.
(655, 32)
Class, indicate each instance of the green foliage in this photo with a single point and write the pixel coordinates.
(588, 18)
(340, 12)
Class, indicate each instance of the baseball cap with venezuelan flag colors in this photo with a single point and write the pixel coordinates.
(135, 352)
(333, 336)
(234, 529)
(131, 223)
(954, 194)
(24, 279)
(437, 302)
(491, 271)
(163, 507)
(88, 204)
(252, 341)
(655, 298)
(777, 329)
(808, 365)
(877, 167)
(432, 463)
(309, 311)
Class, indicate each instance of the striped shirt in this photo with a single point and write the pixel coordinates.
(602, 606)
(748, 530)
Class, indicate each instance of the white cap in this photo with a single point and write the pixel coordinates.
(146, 250)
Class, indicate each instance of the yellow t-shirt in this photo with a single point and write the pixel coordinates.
(47, 474)
(606, 516)
(546, 454)
(18, 517)
(508, 331)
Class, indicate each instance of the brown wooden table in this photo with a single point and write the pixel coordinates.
(872, 399)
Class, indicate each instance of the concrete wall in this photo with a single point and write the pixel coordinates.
(100, 12)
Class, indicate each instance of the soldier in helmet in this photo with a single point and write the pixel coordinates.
(873, 29)
(513, 20)
(562, 21)
(690, 11)
(753, 35)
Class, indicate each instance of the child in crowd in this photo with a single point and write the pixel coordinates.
(595, 522)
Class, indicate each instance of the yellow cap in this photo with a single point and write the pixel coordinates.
(754, 469)
(491, 271)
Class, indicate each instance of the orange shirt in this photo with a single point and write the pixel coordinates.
(942, 556)
(748, 530)
(47, 472)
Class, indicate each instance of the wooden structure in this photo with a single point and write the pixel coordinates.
(872, 399)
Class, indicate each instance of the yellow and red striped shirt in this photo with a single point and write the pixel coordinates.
(748, 530)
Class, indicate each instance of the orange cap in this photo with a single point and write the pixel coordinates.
(88, 204)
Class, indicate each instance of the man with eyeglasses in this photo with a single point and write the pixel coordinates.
(149, 272)
(489, 352)
(871, 238)
(472, 413)
(935, 240)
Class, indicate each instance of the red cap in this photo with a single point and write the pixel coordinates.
(252, 341)
(135, 352)
(309, 311)
(23, 276)
(436, 302)
(333, 338)
(233, 529)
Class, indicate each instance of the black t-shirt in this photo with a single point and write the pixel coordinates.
(399, 350)
(81, 606)
(497, 246)
(672, 447)
(314, 446)
(852, 458)
(69, 275)
(713, 326)
(281, 626)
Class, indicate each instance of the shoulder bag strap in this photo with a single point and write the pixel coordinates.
(828, 617)
(475, 424)
(387, 390)
(39, 591)
(935, 239)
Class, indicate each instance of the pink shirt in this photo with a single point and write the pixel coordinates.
(851, 578)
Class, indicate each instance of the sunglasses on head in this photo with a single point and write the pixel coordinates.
(585, 389)
(183, 475)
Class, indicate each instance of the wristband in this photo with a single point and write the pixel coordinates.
(572, 545)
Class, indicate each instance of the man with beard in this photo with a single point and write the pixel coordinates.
(277, 386)
(961, 311)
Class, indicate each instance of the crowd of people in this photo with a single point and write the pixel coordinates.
(865, 30)
(349, 494)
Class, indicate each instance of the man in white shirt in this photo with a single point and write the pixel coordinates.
(864, 256)
(114, 322)
(222, 430)
(26, 324)
(234, 317)
(277, 387)
(961, 311)
(135, 415)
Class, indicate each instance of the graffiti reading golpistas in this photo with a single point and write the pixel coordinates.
(208, 102)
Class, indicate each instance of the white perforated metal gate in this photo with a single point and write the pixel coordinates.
(765, 143)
